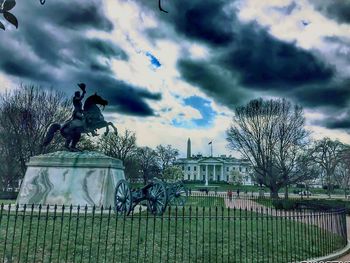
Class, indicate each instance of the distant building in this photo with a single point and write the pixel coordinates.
(213, 169)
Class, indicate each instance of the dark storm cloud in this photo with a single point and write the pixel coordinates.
(342, 123)
(78, 15)
(15, 63)
(338, 10)
(336, 120)
(336, 96)
(245, 60)
(51, 48)
(213, 80)
(258, 60)
(265, 62)
(107, 49)
(204, 21)
(22, 70)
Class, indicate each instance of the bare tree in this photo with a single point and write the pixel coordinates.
(166, 156)
(147, 160)
(292, 138)
(87, 144)
(25, 115)
(132, 168)
(271, 135)
(173, 173)
(118, 146)
(327, 154)
(342, 171)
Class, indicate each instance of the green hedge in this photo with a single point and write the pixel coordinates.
(284, 204)
(316, 204)
(8, 195)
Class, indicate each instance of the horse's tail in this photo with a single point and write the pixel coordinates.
(50, 133)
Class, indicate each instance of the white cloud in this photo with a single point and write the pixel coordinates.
(153, 131)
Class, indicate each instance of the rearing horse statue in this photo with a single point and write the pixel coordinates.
(72, 129)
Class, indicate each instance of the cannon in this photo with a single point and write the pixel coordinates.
(177, 193)
(156, 195)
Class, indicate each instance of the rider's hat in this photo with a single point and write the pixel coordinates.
(82, 86)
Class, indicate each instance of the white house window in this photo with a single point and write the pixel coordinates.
(227, 169)
(189, 177)
(183, 168)
(203, 168)
(240, 169)
(195, 168)
(189, 168)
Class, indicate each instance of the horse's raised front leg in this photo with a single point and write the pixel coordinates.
(114, 128)
(107, 130)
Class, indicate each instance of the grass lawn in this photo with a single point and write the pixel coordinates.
(6, 202)
(205, 201)
(181, 235)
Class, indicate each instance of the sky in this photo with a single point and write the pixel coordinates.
(178, 75)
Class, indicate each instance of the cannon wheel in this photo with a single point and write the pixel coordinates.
(179, 195)
(123, 197)
(157, 198)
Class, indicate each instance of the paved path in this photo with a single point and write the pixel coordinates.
(243, 204)
(300, 216)
(345, 257)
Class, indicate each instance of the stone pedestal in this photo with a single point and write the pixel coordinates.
(65, 178)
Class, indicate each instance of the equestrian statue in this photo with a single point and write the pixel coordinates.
(85, 119)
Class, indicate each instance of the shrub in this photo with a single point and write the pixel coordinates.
(314, 204)
(284, 204)
(8, 195)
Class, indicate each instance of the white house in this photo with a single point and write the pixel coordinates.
(213, 169)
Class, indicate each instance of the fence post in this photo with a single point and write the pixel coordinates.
(209, 239)
(45, 228)
(107, 230)
(146, 235)
(84, 229)
(30, 230)
(53, 232)
(99, 234)
(69, 227)
(37, 231)
(196, 232)
(175, 233)
(76, 233)
(7, 229)
(14, 233)
(131, 233)
(189, 235)
(60, 235)
(154, 232)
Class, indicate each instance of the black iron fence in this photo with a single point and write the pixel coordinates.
(182, 234)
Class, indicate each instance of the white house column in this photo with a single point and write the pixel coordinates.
(222, 173)
(206, 175)
(214, 173)
(199, 172)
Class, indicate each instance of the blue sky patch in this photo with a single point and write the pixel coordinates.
(205, 109)
(154, 61)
